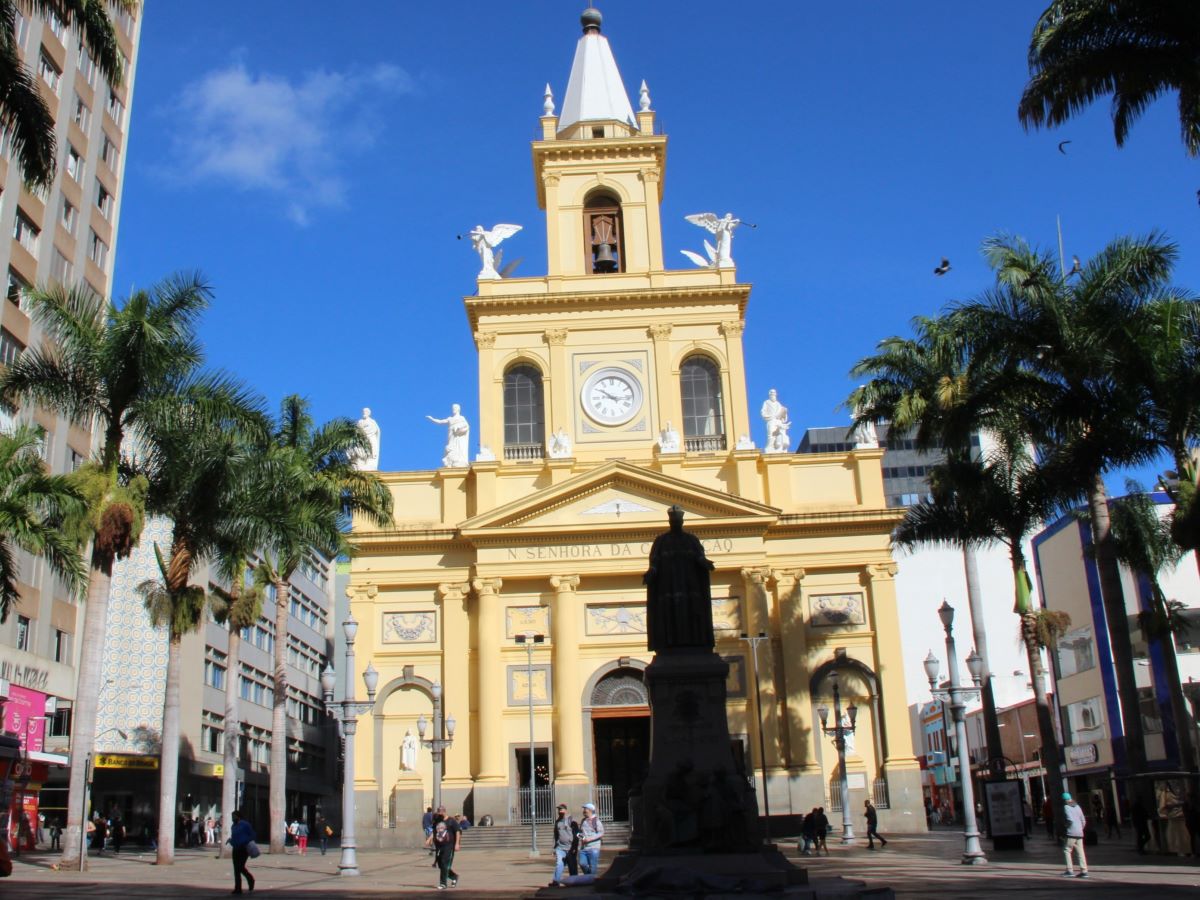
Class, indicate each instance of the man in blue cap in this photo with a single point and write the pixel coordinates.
(1073, 841)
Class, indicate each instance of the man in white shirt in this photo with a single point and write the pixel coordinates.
(1073, 841)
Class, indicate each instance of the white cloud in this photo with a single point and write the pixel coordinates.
(286, 138)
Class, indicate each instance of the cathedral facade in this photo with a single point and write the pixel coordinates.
(610, 389)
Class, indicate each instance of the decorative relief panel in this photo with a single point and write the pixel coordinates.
(727, 614)
(836, 609)
(410, 627)
(616, 618)
(520, 685)
(524, 619)
(735, 683)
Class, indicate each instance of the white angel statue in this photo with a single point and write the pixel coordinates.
(485, 242)
(721, 256)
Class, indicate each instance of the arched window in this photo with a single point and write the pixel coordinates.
(703, 408)
(524, 413)
(603, 234)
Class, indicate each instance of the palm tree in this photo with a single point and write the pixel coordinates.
(930, 384)
(1143, 542)
(104, 367)
(1001, 498)
(24, 116)
(1135, 50)
(197, 469)
(1077, 343)
(315, 491)
(33, 508)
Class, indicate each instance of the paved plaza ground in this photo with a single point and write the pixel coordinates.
(921, 866)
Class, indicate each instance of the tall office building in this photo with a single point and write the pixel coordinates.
(66, 233)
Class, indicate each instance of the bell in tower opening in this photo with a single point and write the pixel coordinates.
(602, 230)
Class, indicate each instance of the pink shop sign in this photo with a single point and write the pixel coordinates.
(25, 717)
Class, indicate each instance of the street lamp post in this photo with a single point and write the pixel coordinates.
(530, 639)
(958, 697)
(347, 711)
(762, 743)
(438, 743)
(839, 732)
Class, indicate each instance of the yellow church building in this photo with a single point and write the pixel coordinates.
(610, 389)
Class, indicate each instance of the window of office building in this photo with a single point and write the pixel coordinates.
(49, 71)
(86, 65)
(215, 663)
(83, 115)
(62, 646)
(98, 250)
(18, 290)
(10, 347)
(74, 163)
(116, 109)
(109, 152)
(24, 633)
(60, 268)
(59, 723)
(212, 731)
(56, 24)
(104, 200)
(26, 233)
(70, 215)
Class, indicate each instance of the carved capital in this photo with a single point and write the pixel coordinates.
(487, 586)
(555, 336)
(660, 332)
(756, 576)
(786, 579)
(733, 328)
(650, 175)
(550, 179)
(564, 584)
(485, 340)
(880, 572)
(453, 592)
(366, 591)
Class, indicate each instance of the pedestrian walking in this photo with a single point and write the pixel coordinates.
(116, 830)
(324, 832)
(55, 834)
(591, 830)
(821, 821)
(241, 839)
(808, 831)
(302, 837)
(1141, 824)
(1073, 839)
(566, 845)
(872, 827)
(427, 823)
(445, 840)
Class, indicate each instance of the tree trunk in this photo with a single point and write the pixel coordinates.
(279, 730)
(89, 683)
(1183, 725)
(1117, 619)
(233, 729)
(1049, 751)
(168, 766)
(991, 723)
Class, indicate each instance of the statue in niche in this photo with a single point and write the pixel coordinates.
(408, 752)
(678, 590)
(458, 431)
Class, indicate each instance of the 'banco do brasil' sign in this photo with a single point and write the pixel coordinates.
(605, 551)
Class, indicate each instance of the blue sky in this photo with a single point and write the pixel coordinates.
(317, 169)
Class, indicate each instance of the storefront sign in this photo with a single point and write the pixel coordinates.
(29, 676)
(124, 761)
(25, 717)
(1082, 754)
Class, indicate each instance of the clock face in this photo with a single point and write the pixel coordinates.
(611, 396)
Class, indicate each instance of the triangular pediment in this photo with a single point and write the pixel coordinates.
(617, 496)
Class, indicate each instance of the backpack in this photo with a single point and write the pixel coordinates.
(328, 831)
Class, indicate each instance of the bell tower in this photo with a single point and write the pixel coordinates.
(610, 349)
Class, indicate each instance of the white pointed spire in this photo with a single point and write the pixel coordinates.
(595, 91)
(644, 97)
(548, 103)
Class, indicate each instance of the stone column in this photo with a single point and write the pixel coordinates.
(758, 618)
(668, 406)
(737, 416)
(455, 679)
(489, 430)
(491, 695)
(880, 581)
(568, 726)
(792, 666)
(556, 384)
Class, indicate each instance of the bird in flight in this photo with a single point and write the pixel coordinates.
(1062, 147)
(943, 268)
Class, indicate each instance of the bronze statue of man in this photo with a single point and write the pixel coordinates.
(678, 592)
